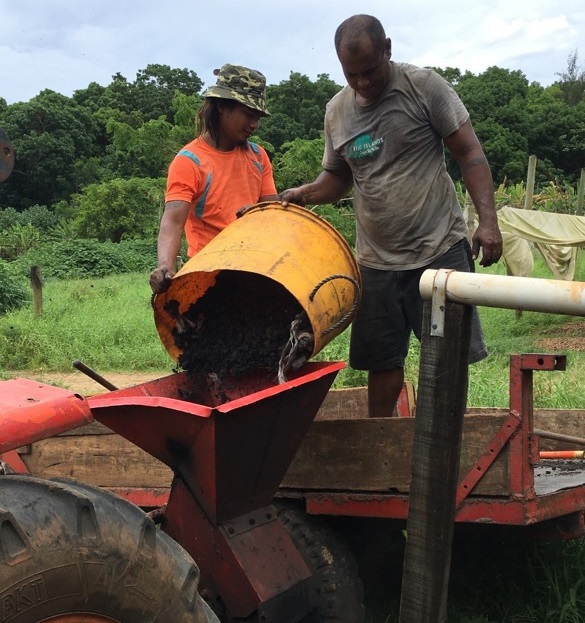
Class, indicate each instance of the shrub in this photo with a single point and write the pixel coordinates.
(138, 255)
(8, 218)
(84, 258)
(18, 239)
(341, 216)
(73, 259)
(119, 209)
(13, 294)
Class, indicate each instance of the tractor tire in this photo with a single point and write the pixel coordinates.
(71, 553)
(339, 592)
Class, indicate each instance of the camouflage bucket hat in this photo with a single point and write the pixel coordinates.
(238, 83)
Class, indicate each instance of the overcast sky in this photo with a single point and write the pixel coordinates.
(63, 45)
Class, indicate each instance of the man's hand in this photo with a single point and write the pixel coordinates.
(490, 241)
(292, 195)
(160, 280)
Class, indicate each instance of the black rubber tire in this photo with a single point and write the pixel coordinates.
(70, 549)
(340, 592)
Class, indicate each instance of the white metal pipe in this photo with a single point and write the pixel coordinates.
(526, 293)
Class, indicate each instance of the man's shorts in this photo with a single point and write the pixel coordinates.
(392, 308)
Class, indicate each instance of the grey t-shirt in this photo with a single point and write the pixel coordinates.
(407, 212)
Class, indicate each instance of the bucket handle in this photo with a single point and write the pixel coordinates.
(342, 322)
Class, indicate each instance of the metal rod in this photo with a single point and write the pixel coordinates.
(540, 295)
(545, 434)
(98, 378)
(562, 454)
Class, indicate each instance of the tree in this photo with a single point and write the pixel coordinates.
(144, 152)
(556, 134)
(119, 209)
(298, 163)
(150, 96)
(297, 108)
(155, 87)
(496, 100)
(451, 74)
(49, 134)
(572, 81)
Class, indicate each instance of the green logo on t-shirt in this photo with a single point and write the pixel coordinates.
(364, 146)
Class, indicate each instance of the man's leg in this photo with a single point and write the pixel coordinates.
(380, 339)
(384, 387)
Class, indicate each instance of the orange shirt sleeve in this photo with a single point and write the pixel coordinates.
(183, 179)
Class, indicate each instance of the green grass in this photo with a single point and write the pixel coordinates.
(107, 323)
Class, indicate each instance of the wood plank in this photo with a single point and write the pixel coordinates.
(437, 442)
(374, 455)
(99, 460)
(344, 404)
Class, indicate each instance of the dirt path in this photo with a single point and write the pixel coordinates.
(82, 384)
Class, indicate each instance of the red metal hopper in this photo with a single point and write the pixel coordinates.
(231, 440)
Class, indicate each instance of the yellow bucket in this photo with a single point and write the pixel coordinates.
(289, 253)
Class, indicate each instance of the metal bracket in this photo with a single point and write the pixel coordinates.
(439, 301)
(475, 474)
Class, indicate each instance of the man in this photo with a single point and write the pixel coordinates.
(385, 135)
(218, 173)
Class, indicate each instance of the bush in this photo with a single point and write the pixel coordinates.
(18, 239)
(341, 216)
(13, 295)
(119, 209)
(80, 259)
(138, 255)
(8, 218)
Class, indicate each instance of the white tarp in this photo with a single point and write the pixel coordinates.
(557, 236)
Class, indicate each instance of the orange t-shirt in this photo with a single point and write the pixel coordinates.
(217, 184)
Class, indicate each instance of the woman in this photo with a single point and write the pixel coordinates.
(218, 173)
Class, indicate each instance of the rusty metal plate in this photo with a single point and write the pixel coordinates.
(6, 156)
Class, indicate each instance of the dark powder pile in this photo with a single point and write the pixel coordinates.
(241, 323)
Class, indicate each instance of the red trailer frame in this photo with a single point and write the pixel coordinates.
(533, 500)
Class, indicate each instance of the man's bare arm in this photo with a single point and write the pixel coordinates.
(477, 177)
(328, 187)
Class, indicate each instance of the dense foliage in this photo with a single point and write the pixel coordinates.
(13, 294)
(83, 258)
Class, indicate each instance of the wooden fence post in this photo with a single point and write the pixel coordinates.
(530, 182)
(580, 193)
(442, 397)
(37, 288)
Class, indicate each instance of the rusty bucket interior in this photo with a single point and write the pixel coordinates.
(230, 439)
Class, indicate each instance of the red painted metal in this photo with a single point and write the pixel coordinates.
(231, 441)
(524, 446)
(13, 460)
(30, 411)
(248, 562)
(475, 474)
(505, 511)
